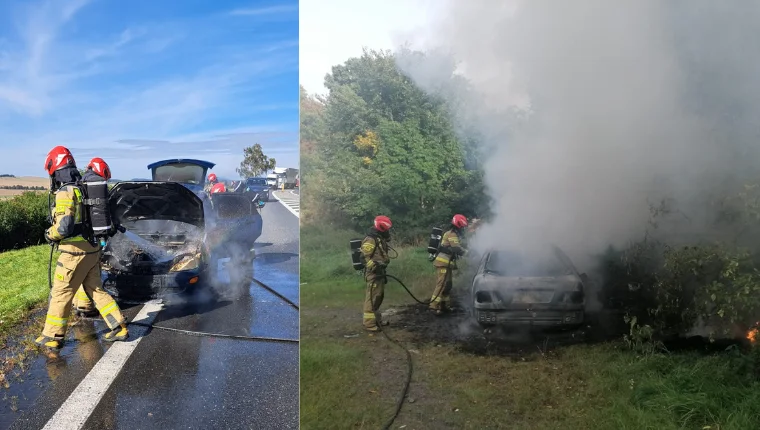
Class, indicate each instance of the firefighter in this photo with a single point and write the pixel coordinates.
(97, 170)
(445, 263)
(212, 180)
(79, 263)
(375, 251)
(218, 188)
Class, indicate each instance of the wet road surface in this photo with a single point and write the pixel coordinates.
(175, 380)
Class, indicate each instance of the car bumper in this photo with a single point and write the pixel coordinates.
(531, 317)
(128, 286)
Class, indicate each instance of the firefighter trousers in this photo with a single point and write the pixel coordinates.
(443, 283)
(373, 298)
(82, 302)
(71, 271)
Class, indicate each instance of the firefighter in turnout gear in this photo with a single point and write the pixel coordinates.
(445, 262)
(211, 181)
(375, 251)
(79, 263)
(97, 170)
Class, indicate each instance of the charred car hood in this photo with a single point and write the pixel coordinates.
(131, 201)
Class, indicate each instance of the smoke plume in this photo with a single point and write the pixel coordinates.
(590, 110)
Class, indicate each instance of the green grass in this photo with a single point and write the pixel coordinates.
(353, 382)
(23, 283)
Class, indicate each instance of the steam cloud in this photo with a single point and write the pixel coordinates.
(591, 110)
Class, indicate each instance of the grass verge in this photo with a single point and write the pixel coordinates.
(350, 379)
(23, 284)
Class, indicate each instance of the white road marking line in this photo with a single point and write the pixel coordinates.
(76, 410)
(287, 206)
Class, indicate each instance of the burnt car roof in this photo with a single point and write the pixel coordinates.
(156, 200)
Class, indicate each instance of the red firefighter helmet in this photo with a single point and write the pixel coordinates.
(99, 166)
(212, 177)
(218, 188)
(459, 221)
(58, 158)
(383, 223)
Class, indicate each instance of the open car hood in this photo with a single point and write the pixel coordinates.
(130, 201)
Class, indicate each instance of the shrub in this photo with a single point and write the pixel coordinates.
(23, 220)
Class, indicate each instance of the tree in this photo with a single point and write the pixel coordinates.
(255, 162)
(378, 143)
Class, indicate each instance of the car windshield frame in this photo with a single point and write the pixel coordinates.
(548, 266)
(185, 173)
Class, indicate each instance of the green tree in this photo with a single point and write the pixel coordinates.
(380, 144)
(255, 162)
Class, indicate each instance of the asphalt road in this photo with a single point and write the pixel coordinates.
(174, 380)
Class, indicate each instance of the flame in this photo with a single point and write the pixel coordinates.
(753, 335)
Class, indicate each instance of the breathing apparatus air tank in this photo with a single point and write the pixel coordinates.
(435, 242)
(357, 259)
(99, 215)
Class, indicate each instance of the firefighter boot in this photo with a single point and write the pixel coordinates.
(49, 343)
(118, 334)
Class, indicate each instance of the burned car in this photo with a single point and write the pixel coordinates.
(161, 250)
(177, 237)
(510, 288)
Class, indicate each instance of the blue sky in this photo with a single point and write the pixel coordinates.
(143, 80)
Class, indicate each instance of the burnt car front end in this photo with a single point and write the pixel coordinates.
(161, 251)
(508, 291)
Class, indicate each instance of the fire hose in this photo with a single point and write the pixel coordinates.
(410, 366)
(230, 336)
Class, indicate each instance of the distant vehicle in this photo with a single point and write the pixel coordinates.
(508, 289)
(176, 233)
(272, 180)
(256, 186)
(286, 176)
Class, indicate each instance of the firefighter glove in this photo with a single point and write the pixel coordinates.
(48, 238)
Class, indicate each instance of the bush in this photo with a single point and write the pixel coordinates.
(23, 220)
(707, 287)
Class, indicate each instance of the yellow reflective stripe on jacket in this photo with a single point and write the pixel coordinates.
(443, 258)
(109, 308)
(74, 239)
(56, 321)
(79, 208)
(61, 205)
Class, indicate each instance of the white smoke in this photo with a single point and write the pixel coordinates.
(591, 110)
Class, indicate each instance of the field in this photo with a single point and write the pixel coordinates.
(464, 379)
(24, 181)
